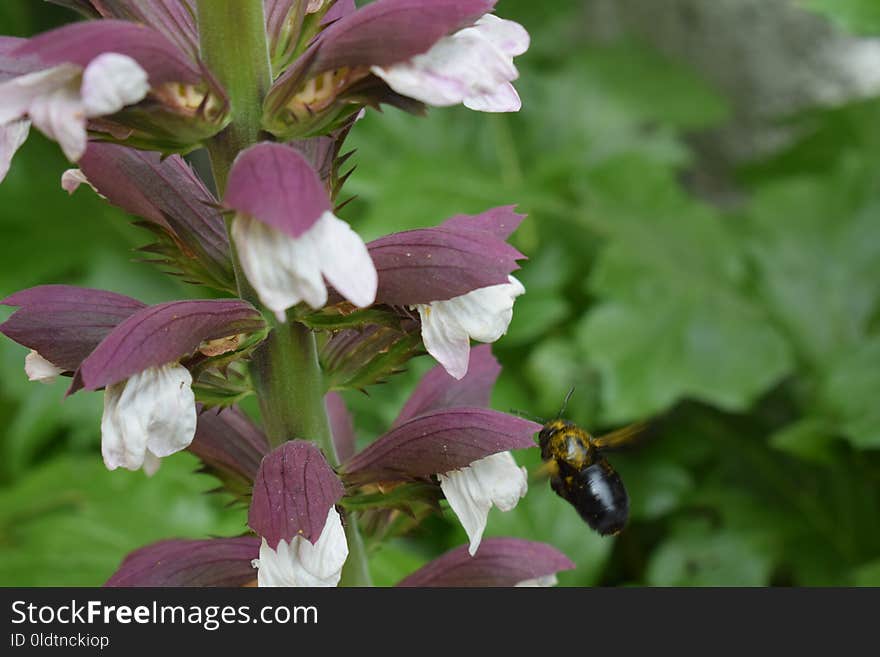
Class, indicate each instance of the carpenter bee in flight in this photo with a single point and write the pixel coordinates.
(582, 476)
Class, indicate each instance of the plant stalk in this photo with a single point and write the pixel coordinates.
(285, 368)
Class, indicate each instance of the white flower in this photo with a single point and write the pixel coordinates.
(39, 369)
(149, 415)
(60, 100)
(474, 66)
(285, 270)
(483, 315)
(473, 490)
(301, 563)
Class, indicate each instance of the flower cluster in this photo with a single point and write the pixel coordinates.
(126, 95)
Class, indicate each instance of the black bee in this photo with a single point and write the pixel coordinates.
(580, 474)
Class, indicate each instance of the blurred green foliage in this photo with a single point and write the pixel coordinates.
(749, 333)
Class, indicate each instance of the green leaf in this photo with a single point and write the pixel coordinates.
(71, 522)
(392, 561)
(811, 439)
(850, 395)
(674, 318)
(697, 555)
(816, 243)
(868, 574)
(857, 16)
(656, 488)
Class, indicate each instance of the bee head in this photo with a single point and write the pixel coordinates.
(549, 430)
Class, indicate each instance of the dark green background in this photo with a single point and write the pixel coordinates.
(749, 330)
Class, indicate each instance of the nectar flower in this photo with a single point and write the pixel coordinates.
(60, 100)
(301, 563)
(495, 480)
(149, 415)
(288, 239)
(483, 315)
(473, 66)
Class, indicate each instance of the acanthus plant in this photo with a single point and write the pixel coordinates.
(312, 309)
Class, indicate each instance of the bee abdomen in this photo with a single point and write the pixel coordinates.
(598, 494)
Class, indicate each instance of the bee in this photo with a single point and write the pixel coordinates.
(582, 476)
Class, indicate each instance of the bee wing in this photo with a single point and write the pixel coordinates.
(621, 437)
(544, 471)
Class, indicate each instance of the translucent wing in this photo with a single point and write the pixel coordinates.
(621, 437)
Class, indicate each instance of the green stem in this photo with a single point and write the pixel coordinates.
(234, 46)
(290, 386)
(285, 368)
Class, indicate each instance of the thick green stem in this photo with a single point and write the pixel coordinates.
(234, 46)
(285, 369)
(290, 387)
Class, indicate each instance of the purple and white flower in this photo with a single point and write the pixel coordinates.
(60, 100)
(457, 275)
(292, 509)
(441, 432)
(131, 350)
(473, 66)
(149, 406)
(288, 239)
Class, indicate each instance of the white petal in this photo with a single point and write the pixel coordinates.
(508, 36)
(281, 270)
(39, 369)
(17, 94)
(345, 260)
(110, 82)
(546, 580)
(151, 463)
(60, 115)
(473, 66)
(285, 270)
(483, 315)
(314, 5)
(502, 98)
(153, 411)
(12, 136)
(72, 179)
(445, 339)
(471, 491)
(300, 563)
